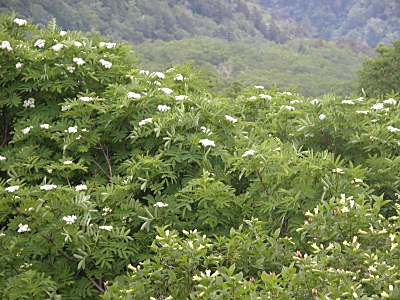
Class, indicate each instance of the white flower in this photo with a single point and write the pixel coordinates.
(69, 219)
(390, 101)
(105, 63)
(107, 45)
(364, 112)
(20, 22)
(338, 170)
(178, 77)
(105, 227)
(57, 47)
(64, 108)
(81, 187)
(67, 162)
(2, 158)
(6, 45)
(23, 228)
(347, 102)
(12, 188)
(264, 96)
(62, 32)
(322, 117)
(259, 87)
(206, 130)
(277, 149)
(86, 99)
(166, 90)
(77, 44)
(377, 106)
(180, 97)
(72, 129)
(288, 107)
(163, 108)
(253, 97)
(71, 69)
(345, 209)
(158, 74)
(360, 99)
(48, 187)
(29, 103)
(79, 61)
(84, 130)
(45, 126)
(26, 129)
(18, 65)
(393, 129)
(160, 204)
(314, 102)
(144, 72)
(287, 93)
(40, 43)
(207, 142)
(145, 121)
(295, 101)
(230, 119)
(248, 152)
(357, 180)
(134, 95)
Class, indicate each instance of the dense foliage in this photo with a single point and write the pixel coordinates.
(121, 183)
(381, 74)
(361, 21)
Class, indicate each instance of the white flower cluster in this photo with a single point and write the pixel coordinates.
(62, 33)
(364, 112)
(106, 210)
(19, 65)
(107, 45)
(45, 126)
(322, 117)
(163, 108)
(348, 102)
(206, 130)
(158, 75)
(39, 43)
(160, 204)
(259, 87)
(69, 219)
(378, 106)
(6, 45)
(133, 95)
(2, 158)
(29, 103)
(393, 129)
(145, 121)
(71, 69)
(20, 22)
(23, 228)
(230, 119)
(48, 187)
(26, 129)
(77, 44)
(81, 187)
(338, 171)
(72, 129)
(105, 63)
(57, 47)
(288, 107)
(207, 142)
(264, 96)
(390, 101)
(86, 99)
(248, 152)
(178, 77)
(79, 61)
(181, 97)
(166, 90)
(105, 227)
(12, 188)
(144, 72)
(67, 162)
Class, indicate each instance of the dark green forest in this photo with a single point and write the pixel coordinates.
(238, 42)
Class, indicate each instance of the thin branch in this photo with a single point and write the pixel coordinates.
(101, 168)
(98, 287)
(105, 153)
(262, 182)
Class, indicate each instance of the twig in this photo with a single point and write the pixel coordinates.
(105, 153)
(262, 182)
(101, 168)
(100, 289)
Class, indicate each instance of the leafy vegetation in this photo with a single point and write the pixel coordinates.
(118, 182)
(381, 74)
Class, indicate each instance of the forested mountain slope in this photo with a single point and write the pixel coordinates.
(139, 20)
(238, 40)
(361, 21)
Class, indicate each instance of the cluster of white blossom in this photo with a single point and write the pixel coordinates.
(207, 142)
(39, 43)
(86, 99)
(77, 44)
(158, 75)
(29, 103)
(133, 95)
(166, 90)
(264, 96)
(249, 153)
(107, 45)
(79, 61)
(348, 102)
(145, 121)
(12, 188)
(20, 22)
(23, 228)
(45, 126)
(105, 63)
(181, 97)
(19, 65)
(2, 158)
(81, 187)
(6, 45)
(178, 77)
(69, 219)
(160, 204)
(106, 227)
(48, 187)
(26, 129)
(163, 108)
(230, 119)
(57, 47)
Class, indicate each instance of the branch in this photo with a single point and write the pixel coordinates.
(105, 153)
(101, 168)
(262, 182)
(98, 287)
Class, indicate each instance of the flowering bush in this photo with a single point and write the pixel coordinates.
(103, 166)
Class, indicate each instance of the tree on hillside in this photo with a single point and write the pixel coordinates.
(381, 75)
